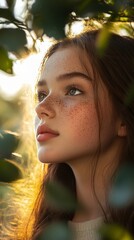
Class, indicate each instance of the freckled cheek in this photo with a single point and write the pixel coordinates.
(81, 120)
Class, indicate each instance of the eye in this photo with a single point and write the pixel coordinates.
(41, 96)
(73, 91)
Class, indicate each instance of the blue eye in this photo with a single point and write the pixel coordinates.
(73, 91)
(41, 96)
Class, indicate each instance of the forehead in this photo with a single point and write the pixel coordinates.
(67, 60)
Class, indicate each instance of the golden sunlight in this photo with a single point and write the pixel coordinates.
(26, 70)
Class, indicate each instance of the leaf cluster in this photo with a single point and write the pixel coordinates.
(50, 17)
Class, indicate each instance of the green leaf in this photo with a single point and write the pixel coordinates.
(103, 40)
(9, 171)
(56, 231)
(6, 64)
(10, 4)
(59, 197)
(7, 14)
(122, 192)
(5, 189)
(8, 143)
(114, 232)
(14, 40)
(50, 17)
(93, 7)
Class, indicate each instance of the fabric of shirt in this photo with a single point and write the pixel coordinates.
(86, 230)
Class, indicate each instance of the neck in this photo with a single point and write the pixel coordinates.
(86, 195)
(92, 188)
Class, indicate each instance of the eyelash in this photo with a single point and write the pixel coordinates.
(41, 95)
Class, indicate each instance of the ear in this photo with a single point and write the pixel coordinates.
(122, 131)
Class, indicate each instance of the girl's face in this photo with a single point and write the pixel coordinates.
(67, 127)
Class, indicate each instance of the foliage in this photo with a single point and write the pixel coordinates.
(60, 198)
(122, 192)
(50, 17)
(56, 231)
(9, 141)
(114, 232)
(14, 172)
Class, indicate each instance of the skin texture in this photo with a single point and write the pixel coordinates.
(72, 113)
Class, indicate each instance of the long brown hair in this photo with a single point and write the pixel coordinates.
(115, 68)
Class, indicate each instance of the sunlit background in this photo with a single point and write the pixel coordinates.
(25, 73)
(26, 69)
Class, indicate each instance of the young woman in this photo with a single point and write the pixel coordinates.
(85, 130)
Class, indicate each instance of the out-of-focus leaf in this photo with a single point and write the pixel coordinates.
(7, 14)
(56, 231)
(5, 194)
(50, 16)
(93, 7)
(59, 197)
(113, 231)
(8, 143)
(6, 64)
(13, 40)
(9, 171)
(122, 192)
(4, 191)
(103, 40)
(10, 4)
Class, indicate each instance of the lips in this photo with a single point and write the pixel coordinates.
(44, 133)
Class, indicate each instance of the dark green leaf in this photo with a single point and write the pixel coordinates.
(9, 171)
(13, 40)
(50, 16)
(7, 14)
(59, 197)
(6, 63)
(122, 192)
(10, 4)
(114, 232)
(103, 40)
(8, 143)
(93, 7)
(56, 231)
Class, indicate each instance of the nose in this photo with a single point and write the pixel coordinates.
(46, 108)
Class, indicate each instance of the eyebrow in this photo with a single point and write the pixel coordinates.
(66, 76)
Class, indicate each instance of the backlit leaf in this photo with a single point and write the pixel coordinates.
(14, 40)
(114, 232)
(6, 64)
(8, 143)
(9, 171)
(103, 40)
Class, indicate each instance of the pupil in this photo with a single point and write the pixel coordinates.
(72, 91)
(41, 97)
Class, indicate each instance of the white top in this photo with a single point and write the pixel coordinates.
(86, 230)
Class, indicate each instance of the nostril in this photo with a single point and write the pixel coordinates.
(44, 113)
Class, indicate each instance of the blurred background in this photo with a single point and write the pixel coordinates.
(27, 29)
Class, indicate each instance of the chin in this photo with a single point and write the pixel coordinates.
(46, 156)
